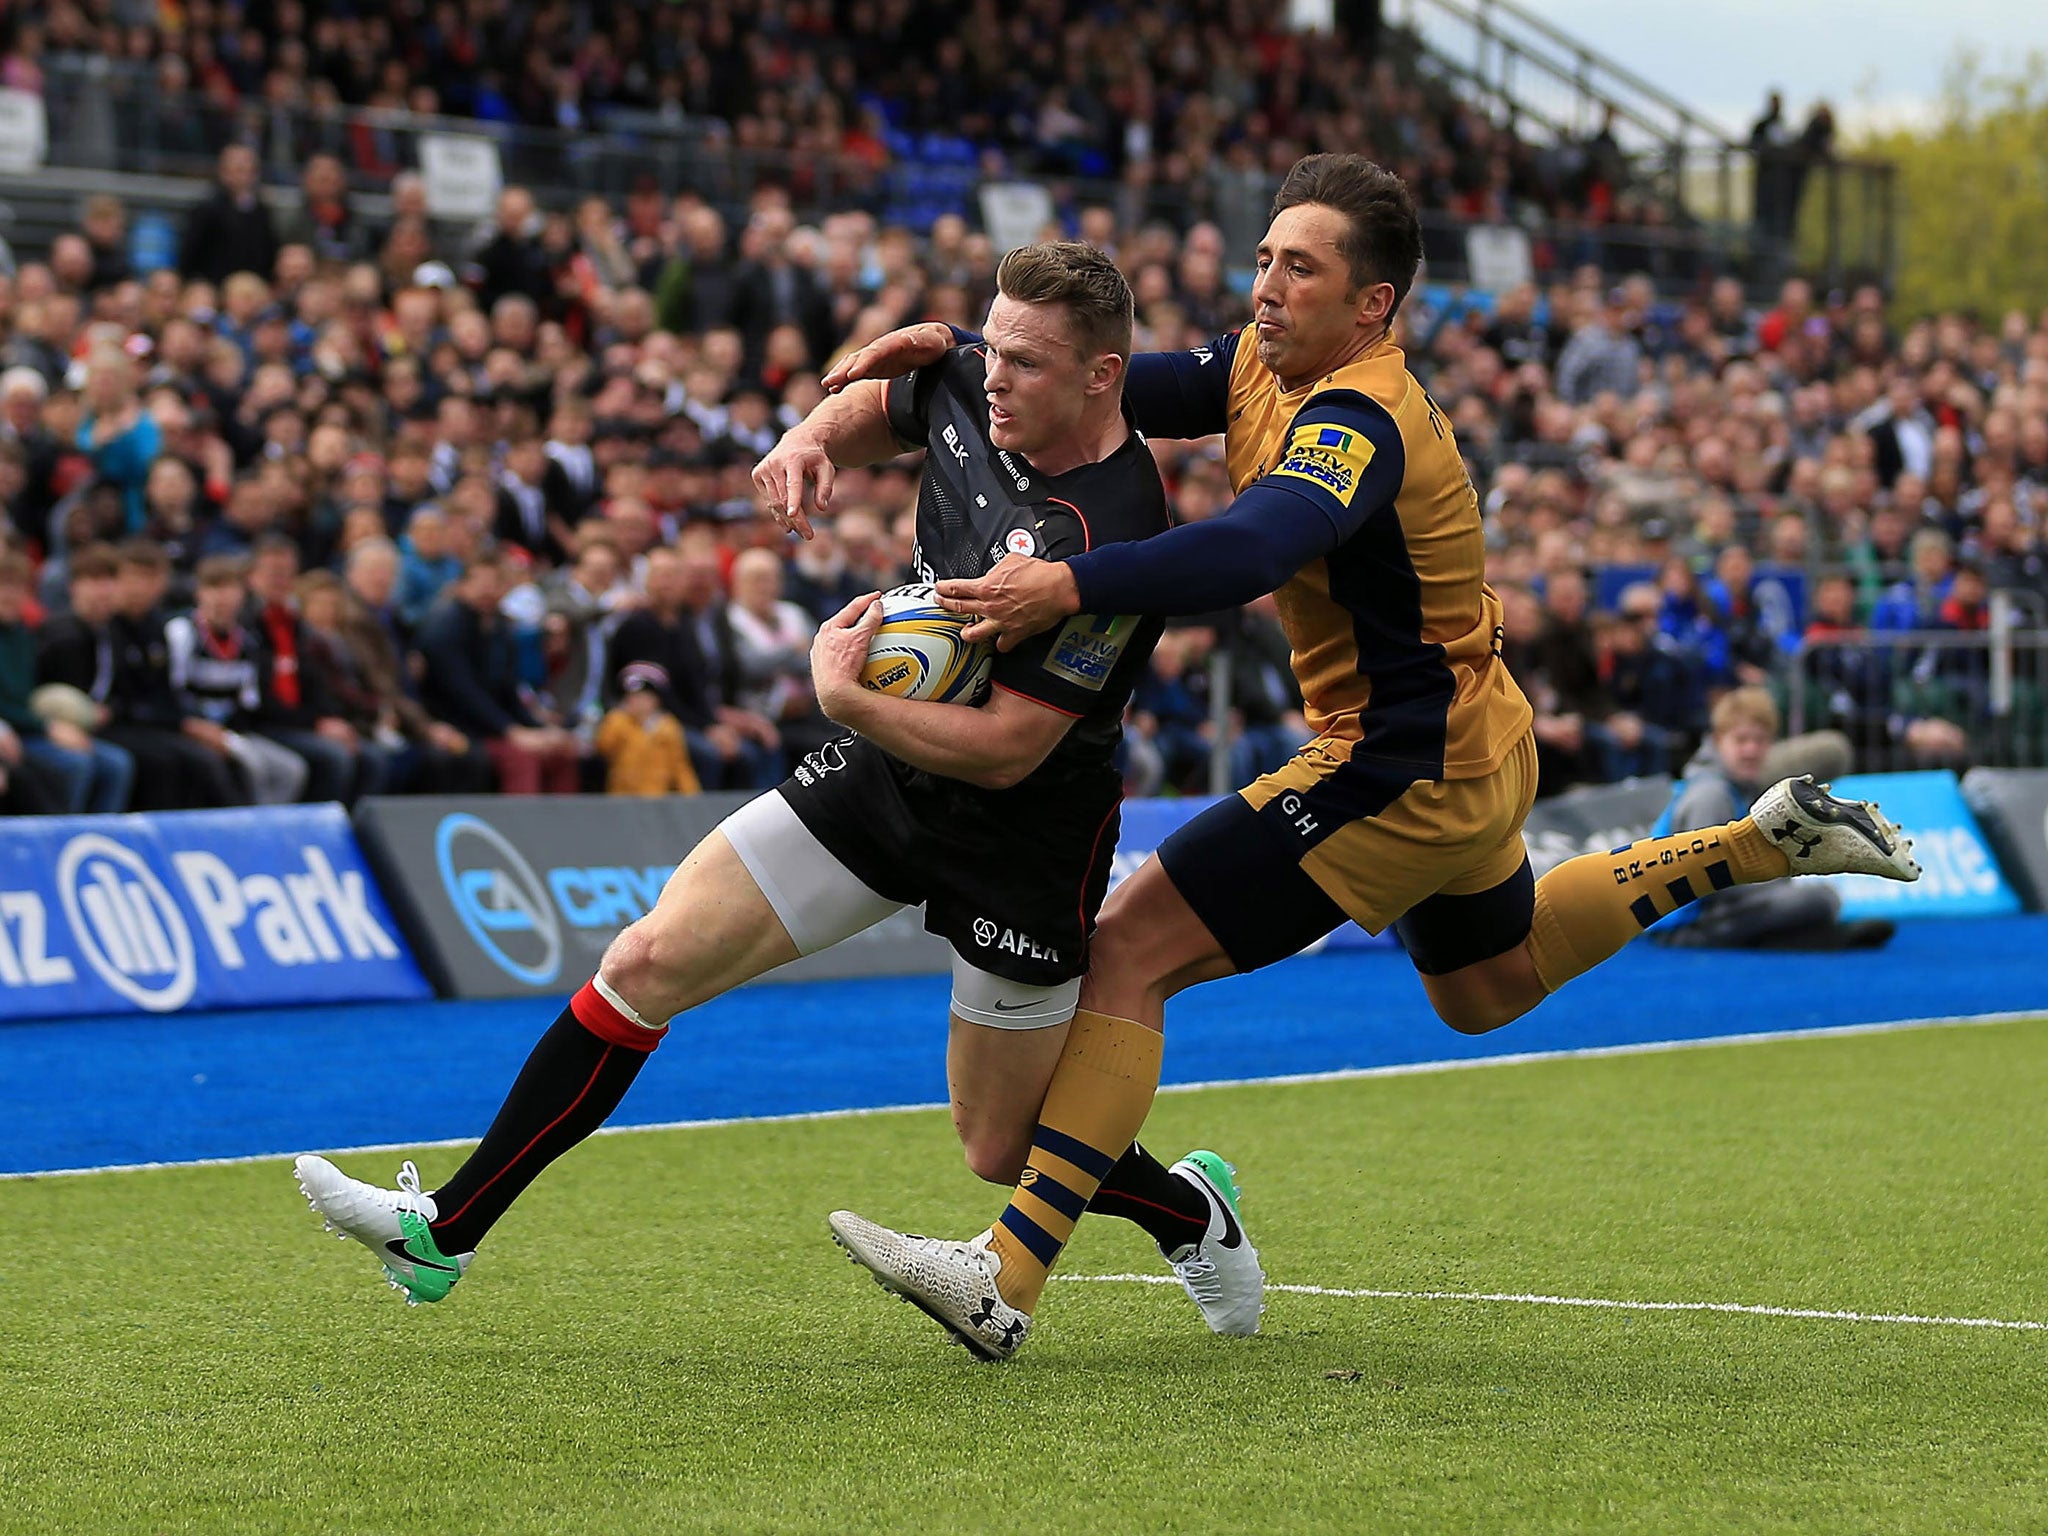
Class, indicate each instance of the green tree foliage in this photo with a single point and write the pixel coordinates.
(1972, 193)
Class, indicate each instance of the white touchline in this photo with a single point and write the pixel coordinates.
(1284, 1080)
(1597, 1302)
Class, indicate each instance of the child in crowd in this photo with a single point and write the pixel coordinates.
(641, 742)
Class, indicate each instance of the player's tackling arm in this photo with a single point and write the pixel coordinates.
(994, 745)
(1343, 461)
(845, 431)
(1170, 394)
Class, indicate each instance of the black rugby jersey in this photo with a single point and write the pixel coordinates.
(978, 502)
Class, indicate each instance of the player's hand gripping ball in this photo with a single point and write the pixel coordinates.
(918, 652)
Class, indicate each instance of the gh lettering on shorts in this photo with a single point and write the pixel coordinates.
(1292, 807)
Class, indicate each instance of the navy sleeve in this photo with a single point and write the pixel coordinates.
(1182, 394)
(1343, 461)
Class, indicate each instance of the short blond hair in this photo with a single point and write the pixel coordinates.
(1746, 706)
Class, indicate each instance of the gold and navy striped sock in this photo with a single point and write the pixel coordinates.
(1589, 907)
(1098, 1098)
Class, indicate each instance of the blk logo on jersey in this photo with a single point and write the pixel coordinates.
(1332, 458)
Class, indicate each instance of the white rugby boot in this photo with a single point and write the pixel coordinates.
(1823, 834)
(1220, 1273)
(953, 1283)
(392, 1223)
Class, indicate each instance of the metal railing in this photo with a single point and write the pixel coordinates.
(1524, 68)
(113, 115)
(1731, 210)
(1927, 698)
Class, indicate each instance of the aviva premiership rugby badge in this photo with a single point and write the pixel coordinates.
(1331, 457)
(1086, 650)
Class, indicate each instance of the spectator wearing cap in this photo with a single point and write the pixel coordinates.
(230, 230)
(641, 742)
(472, 681)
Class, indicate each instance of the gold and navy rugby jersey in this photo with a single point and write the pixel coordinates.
(1395, 633)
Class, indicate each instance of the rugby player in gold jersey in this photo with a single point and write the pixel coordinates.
(1354, 507)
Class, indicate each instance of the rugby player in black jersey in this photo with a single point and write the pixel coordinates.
(999, 817)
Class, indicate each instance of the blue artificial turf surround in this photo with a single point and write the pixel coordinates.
(92, 1092)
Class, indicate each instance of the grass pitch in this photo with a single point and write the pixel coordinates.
(661, 1338)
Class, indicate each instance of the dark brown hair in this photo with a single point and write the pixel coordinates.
(1080, 279)
(93, 560)
(143, 555)
(1384, 241)
(221, 571)
(15, 570)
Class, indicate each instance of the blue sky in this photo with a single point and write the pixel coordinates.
(1885, 57)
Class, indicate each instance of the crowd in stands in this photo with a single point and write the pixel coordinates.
(1198, 105)
(335, 506)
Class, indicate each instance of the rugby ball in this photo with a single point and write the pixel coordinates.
(918, 653)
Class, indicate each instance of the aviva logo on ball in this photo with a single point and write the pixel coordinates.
(918, 652)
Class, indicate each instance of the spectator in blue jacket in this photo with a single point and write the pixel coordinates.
(120, 438)
(429, 566)
(1690, 618)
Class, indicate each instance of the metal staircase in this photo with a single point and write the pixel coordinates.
(1548, 85)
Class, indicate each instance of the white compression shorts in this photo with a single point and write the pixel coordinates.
(820, 902)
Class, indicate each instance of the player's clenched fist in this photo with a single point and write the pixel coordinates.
(839, 651)
(786, 479)
(1018, 598)
(891, 356)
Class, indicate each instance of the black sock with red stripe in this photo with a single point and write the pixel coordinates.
(1142, 1189)
(569, 1086)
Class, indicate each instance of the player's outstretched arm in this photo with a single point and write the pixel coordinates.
(844, 432)
(1343, 462)
(993, 745)
(1264, 537)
